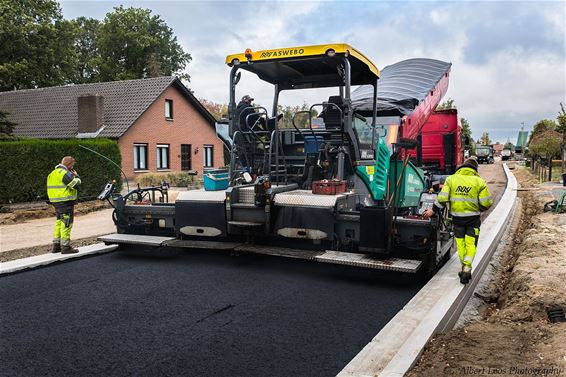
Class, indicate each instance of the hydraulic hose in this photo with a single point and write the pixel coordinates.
(112, 162)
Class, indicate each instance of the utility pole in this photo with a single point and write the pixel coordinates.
(522, 139)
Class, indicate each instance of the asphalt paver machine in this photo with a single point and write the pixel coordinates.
(332, 186)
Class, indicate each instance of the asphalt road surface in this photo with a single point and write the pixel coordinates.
(192, 315)
(196, 314)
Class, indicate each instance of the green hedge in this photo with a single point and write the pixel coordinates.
(25, 165)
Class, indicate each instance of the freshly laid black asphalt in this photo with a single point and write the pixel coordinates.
(192, 314)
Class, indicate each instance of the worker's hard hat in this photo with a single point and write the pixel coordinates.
(247, 98)
(470, 163)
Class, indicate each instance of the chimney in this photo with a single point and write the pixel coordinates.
(91, 112)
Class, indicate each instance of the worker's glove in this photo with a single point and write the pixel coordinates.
(428, 213)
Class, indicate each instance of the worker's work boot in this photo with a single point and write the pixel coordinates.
(56, 248)
(465, 275)
(67, 249)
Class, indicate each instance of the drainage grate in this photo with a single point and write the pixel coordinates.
(556, 314)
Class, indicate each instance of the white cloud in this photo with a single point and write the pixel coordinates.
(508, 57)
(513, 87)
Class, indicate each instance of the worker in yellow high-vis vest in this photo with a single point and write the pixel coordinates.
(468, 196)
(62, 184)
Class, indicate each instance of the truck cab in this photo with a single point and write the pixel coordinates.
(484, 154)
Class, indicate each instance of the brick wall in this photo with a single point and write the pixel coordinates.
(188, 126)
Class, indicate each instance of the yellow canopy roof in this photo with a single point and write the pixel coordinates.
(306, 66)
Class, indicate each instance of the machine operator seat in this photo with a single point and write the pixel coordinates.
(333, 117)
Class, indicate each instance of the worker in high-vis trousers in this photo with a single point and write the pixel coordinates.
(62, 184)
(468, 196)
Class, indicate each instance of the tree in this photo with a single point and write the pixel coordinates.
(546, 145)
(448, 104)
(218, 110)
(561, 127)
(467, 138)
(485, 140)
(541, 127)
(134, 44)
(36, 49)
(6, 127)
(87, 55)
(289, 112)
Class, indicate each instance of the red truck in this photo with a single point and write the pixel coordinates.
(408, 93)
(440, 143)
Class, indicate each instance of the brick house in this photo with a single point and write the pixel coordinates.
(497, 149)
(159, 124)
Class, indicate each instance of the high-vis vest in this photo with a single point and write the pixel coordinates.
(467, 193)
(57, 190)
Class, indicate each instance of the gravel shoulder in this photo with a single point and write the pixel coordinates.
(513, 335)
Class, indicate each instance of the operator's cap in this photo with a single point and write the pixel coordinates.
(247, 98)
(470, 163)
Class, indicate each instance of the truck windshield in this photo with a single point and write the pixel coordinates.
(482, 151)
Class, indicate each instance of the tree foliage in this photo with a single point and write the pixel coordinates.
(467, 138)
(546, 144)
(87, 55)
(448, 104)
(135, 44)
(561, 127)
(289, 112)
(561, 120)
(36, 45)
(485, 139)
(540, 128)
(218, 110)
(6, 127)
(40, 49)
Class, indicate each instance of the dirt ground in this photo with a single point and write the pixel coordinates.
(514, 336)
(22, 215)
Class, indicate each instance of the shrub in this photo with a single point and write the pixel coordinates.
(26, 163)
(174, 179)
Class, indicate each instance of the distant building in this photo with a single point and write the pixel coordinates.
(497, 148)
(522, 141)
(158, 123)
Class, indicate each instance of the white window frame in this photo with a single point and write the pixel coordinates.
(162, 153)
(169, 109)
(138, 147)
(208, 156)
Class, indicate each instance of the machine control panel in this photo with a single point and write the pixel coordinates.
(108, 190)
(426, 201)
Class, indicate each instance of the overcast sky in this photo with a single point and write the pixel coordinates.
(508, 58)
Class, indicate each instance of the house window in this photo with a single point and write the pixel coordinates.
(186, 163)
(162, 156)
(208, 158)
(168, 109)
(140, 156)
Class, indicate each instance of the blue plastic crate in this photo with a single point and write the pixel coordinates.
(215, 180)
(313, 143)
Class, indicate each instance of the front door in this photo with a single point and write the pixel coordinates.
(186, 157)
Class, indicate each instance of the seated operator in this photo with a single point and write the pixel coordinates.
(244, 109)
